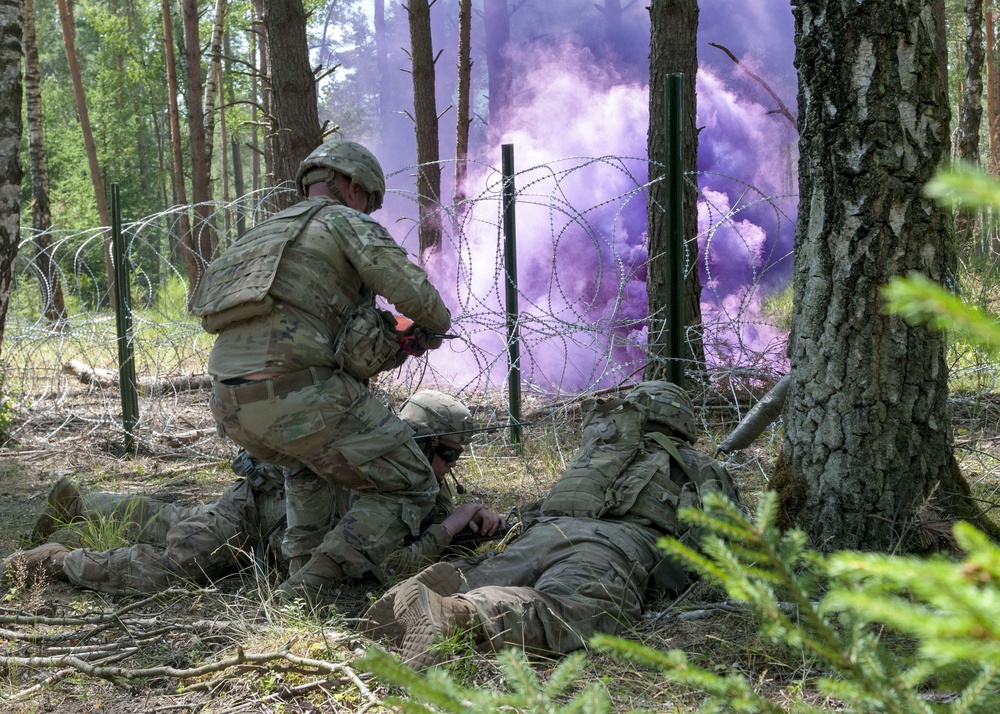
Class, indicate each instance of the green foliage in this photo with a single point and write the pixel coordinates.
(439, 692)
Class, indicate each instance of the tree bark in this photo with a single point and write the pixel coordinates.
(673, 49)
(972, 97)
(50, 284)
(10, 148)
(214, 78)
(496, 20)
(90, 147)
(295, 114)
(382, 68)
(992, 90)
(183, 241)
(239, 184)
(425, 121)
(867, 459)
(463, 119)
(203, 241)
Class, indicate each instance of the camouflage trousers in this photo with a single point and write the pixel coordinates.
(172, 543)
(561, 582)
(335, 430)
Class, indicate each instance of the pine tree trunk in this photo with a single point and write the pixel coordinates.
(673, 28)
(463, 120)
(382, 68)
(90, 147)
(10, 148)
(237, 156)
(992, 90)
(867, 459)
(50, 284)
(295, 114)
(496, 20)
(201, 247)
(173, 91)
(426, 124)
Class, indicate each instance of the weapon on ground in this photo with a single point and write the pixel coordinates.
(468, 538)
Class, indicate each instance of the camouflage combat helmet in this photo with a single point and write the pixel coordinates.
(669, 406)
(349, 158)
(433, 413)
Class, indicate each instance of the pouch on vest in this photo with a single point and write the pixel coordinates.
(235, 285)
(368, 344)
(612, 436)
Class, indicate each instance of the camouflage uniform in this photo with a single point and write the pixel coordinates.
(314, 417)
(200, 543)
(191, 543)
(586, 563)
(567, 578)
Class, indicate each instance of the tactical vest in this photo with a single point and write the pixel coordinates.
(622, 473)
(244, 281)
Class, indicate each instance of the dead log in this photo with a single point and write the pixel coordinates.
(147, 386)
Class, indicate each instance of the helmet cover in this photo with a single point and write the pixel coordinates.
(435, 414)
(669, 406)
(349, 158)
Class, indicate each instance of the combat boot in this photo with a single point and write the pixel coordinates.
(313, 581)
(380, 619)
(46, 558)
(63, 505)
(427, 618)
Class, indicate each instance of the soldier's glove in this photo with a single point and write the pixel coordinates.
(417, 340)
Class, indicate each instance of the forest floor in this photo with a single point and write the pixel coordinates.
(231, 648)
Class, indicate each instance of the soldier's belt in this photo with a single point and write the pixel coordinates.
(256, 391)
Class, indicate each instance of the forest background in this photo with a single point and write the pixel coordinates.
(577, 113)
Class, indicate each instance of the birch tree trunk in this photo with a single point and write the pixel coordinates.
(10, 148)
(425, 121)
(50, 284)
(867, 458)
(972, 97)
(214, 78)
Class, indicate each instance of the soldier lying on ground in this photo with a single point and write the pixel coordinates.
(590, 559)
(203, 542)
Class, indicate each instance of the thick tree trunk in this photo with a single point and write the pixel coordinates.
(53, 304)
(176, 153)
(295, 114)
(673, 27)
(867, 458)
(201, 247)
(496, 21)
(425, 120)
(90, 147)
(972, 97)
(10, 148)
(463, 120)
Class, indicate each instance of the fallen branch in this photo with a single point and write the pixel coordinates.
(149, 386)
(782, 109)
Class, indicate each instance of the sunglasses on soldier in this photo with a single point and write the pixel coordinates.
(448, 454)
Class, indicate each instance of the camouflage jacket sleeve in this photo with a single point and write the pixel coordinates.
(386, 268)
(410, 559)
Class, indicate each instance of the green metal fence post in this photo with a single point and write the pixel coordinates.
(123, 325)
(510, 271)
(674, 184)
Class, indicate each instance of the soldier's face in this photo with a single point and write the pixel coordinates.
(446, 455)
